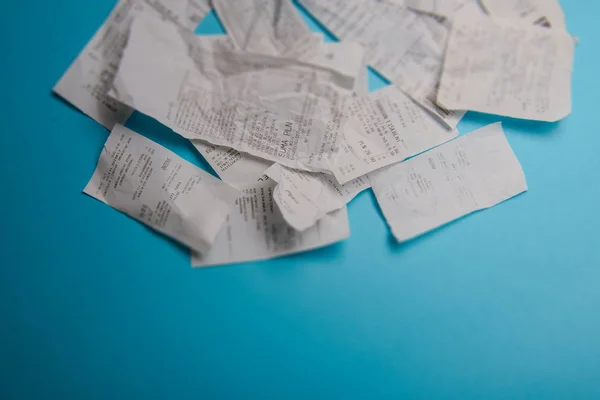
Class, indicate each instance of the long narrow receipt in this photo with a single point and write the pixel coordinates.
(256, 230)
(262, 26)
(89, 78)
(276, 108)
(471, 173)
(306, 197)
(155, 186)
(499, 68)
(385, 127)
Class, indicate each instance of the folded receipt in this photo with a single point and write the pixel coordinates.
(160, 189)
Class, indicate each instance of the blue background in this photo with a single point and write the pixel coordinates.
(501, 304)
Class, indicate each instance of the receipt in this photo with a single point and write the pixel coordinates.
(237, 168)
(256, 230)
(547, 13)
(276, 108)
(262, 26)
(406, 47)
(306, 197)
(89, 78)
(155, 186)
(382, 28)
(385, 127)
(504, 69)
(474, 172)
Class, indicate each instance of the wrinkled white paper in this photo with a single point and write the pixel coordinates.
(306, 197)
(378, 26)
(547, 13)
(238, 169)
(385, 127)
(505, 69)
(410, 46)
(474, 172)
(275, 108)
(89, 78)
(256, 230)
(262, 26)
(157, 187)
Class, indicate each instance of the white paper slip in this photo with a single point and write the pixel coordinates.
(255, 230)
(262, 26)
(504, 69)
(276, 108)
(419, 72)
(89, 78)
(404, 46)
(547, 13)
(380, 27)
(306, 197)
(157, 187)
(471, 173)
(384, 128)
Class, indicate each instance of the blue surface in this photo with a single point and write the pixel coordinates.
(502, 304)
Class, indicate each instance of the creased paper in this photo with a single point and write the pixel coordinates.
(384, 128)
(305, 197)
(262, 26)
(474, 172)
(275, 108)
(155, 186)
(378, 26)
(411, 45)
(256, 230)
(237, 168)
(90, 77)
(505, 69)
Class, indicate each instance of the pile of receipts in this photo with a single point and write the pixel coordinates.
(286, 120)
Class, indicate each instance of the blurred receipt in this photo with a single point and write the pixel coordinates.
(510, 70)
(471, 173)
(157, 187)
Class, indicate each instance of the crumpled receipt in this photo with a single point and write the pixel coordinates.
(238, 168)
(510, 70)
(90, 77)
(404, 46)
(380, 27)
(384, 128)
(306, 197)
(262, 26)
(471, 173)
(255, 230)
(275, 108)
(160, 189)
